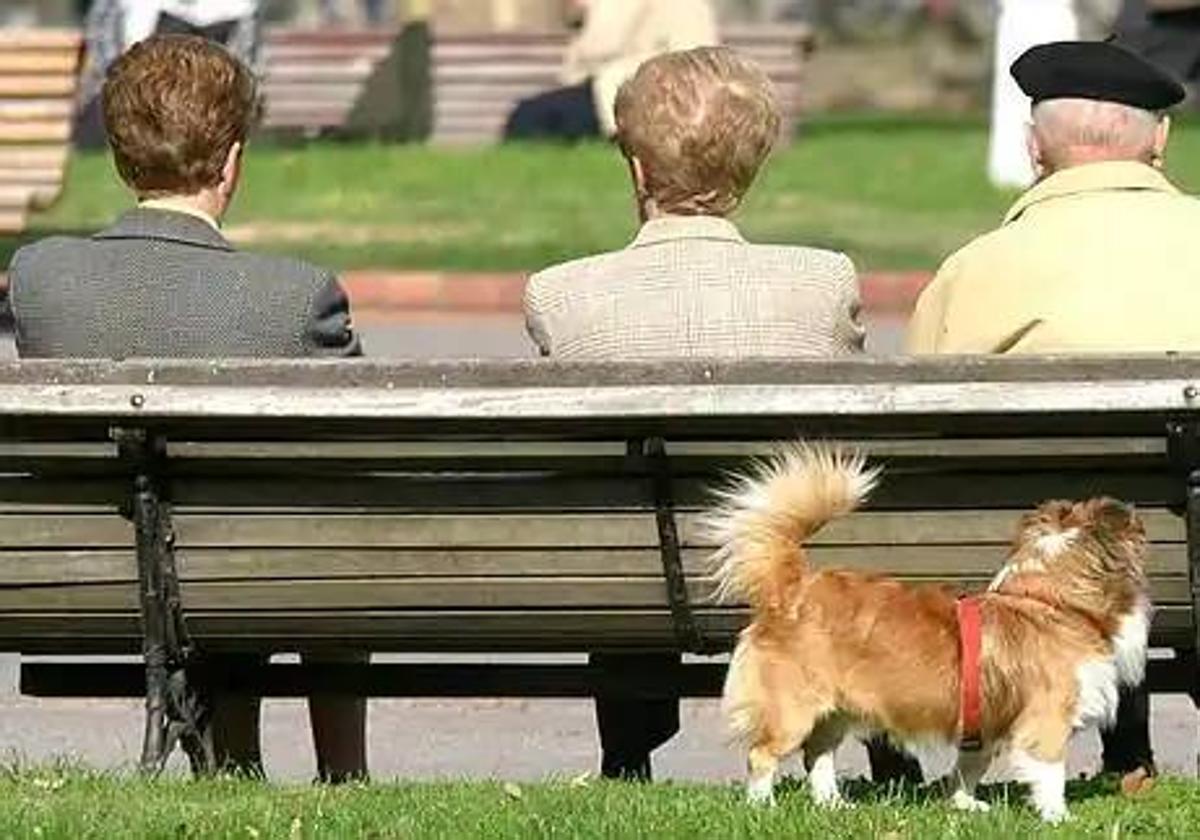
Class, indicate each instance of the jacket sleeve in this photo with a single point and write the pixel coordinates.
(330, 330)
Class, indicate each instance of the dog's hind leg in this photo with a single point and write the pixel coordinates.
(966, 775)
(819, 751)
(774, 744)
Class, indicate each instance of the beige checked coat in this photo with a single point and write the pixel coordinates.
(693, 287)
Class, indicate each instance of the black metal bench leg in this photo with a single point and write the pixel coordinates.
(177, 711)
(1193, 548)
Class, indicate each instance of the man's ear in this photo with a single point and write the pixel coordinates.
(637, 174)
(231, 170)
(1034, 147)
(1161, 135)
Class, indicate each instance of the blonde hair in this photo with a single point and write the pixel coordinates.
(701, 122)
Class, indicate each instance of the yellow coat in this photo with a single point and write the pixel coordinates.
(1103, 257)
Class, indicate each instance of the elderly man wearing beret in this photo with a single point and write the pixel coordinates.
(1098, 257)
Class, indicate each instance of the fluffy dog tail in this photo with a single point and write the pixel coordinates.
(765, 516)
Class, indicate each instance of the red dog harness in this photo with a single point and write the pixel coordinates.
(970, 705)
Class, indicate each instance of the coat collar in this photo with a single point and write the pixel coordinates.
(1109, 176)
(673, 228)
(166, 225)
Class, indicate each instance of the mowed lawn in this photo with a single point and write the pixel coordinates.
(50, 804)
(893, 193)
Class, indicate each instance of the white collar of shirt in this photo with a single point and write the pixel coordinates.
(176, 206)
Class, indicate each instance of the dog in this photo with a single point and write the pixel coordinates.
(830, 652)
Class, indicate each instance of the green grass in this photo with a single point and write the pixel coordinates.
(73, 804)
(894, 194)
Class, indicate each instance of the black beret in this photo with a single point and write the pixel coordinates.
(1095, 70)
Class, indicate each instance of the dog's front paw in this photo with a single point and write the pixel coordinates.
(1056, 814)
(963, 801)
(761, 793)
(832, 801)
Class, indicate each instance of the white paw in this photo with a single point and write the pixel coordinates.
(832, 801)
(1054, 814)
(963, 801)
(761, 795)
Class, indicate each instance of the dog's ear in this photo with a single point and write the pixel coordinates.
(1111, 516)
(1047, 517)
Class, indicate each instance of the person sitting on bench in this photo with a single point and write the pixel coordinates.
(164, 282)
(616, 36)
(695, 127)
(1099, 256)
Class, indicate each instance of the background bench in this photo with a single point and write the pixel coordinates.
(315, 79)
(37, 88)
(524, 507)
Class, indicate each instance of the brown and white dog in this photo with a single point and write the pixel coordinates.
(829, 652)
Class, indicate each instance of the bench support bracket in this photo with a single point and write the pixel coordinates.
(177, 712)
(687, 631)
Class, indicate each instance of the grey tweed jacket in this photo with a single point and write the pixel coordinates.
(691, 286)
(166, 284)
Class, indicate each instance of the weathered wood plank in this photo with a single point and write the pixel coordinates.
(537, 631)
(75, 568)
(620, 530)
(512, 593)
(520, 373)
(539, 492)
(600, 403)
(79, 530)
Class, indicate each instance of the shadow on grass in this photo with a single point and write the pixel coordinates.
(866, 792)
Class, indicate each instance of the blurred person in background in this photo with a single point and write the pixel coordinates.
(1166, 32)
(332, 12)
(1022, 24)
(113, 26)
(614, 38)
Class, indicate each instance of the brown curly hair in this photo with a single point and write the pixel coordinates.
(173, 106)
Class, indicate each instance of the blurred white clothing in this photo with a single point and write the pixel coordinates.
(1023, 24)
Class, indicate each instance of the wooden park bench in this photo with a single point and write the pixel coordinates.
(38, 70)
(350, 81)
(180, 508)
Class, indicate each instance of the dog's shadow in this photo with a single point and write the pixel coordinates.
(865, 792)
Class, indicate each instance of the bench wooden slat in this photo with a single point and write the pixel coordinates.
(67, 567)
(34, 86)
(451, 592)
(512, 530)
(61, 62)
(545, 631)
(34, 131)
(1008, 492)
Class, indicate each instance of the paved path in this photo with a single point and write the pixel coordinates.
(479, 739)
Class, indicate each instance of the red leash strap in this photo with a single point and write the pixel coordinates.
(970, 707)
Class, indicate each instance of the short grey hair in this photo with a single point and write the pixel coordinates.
(1069, 129)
